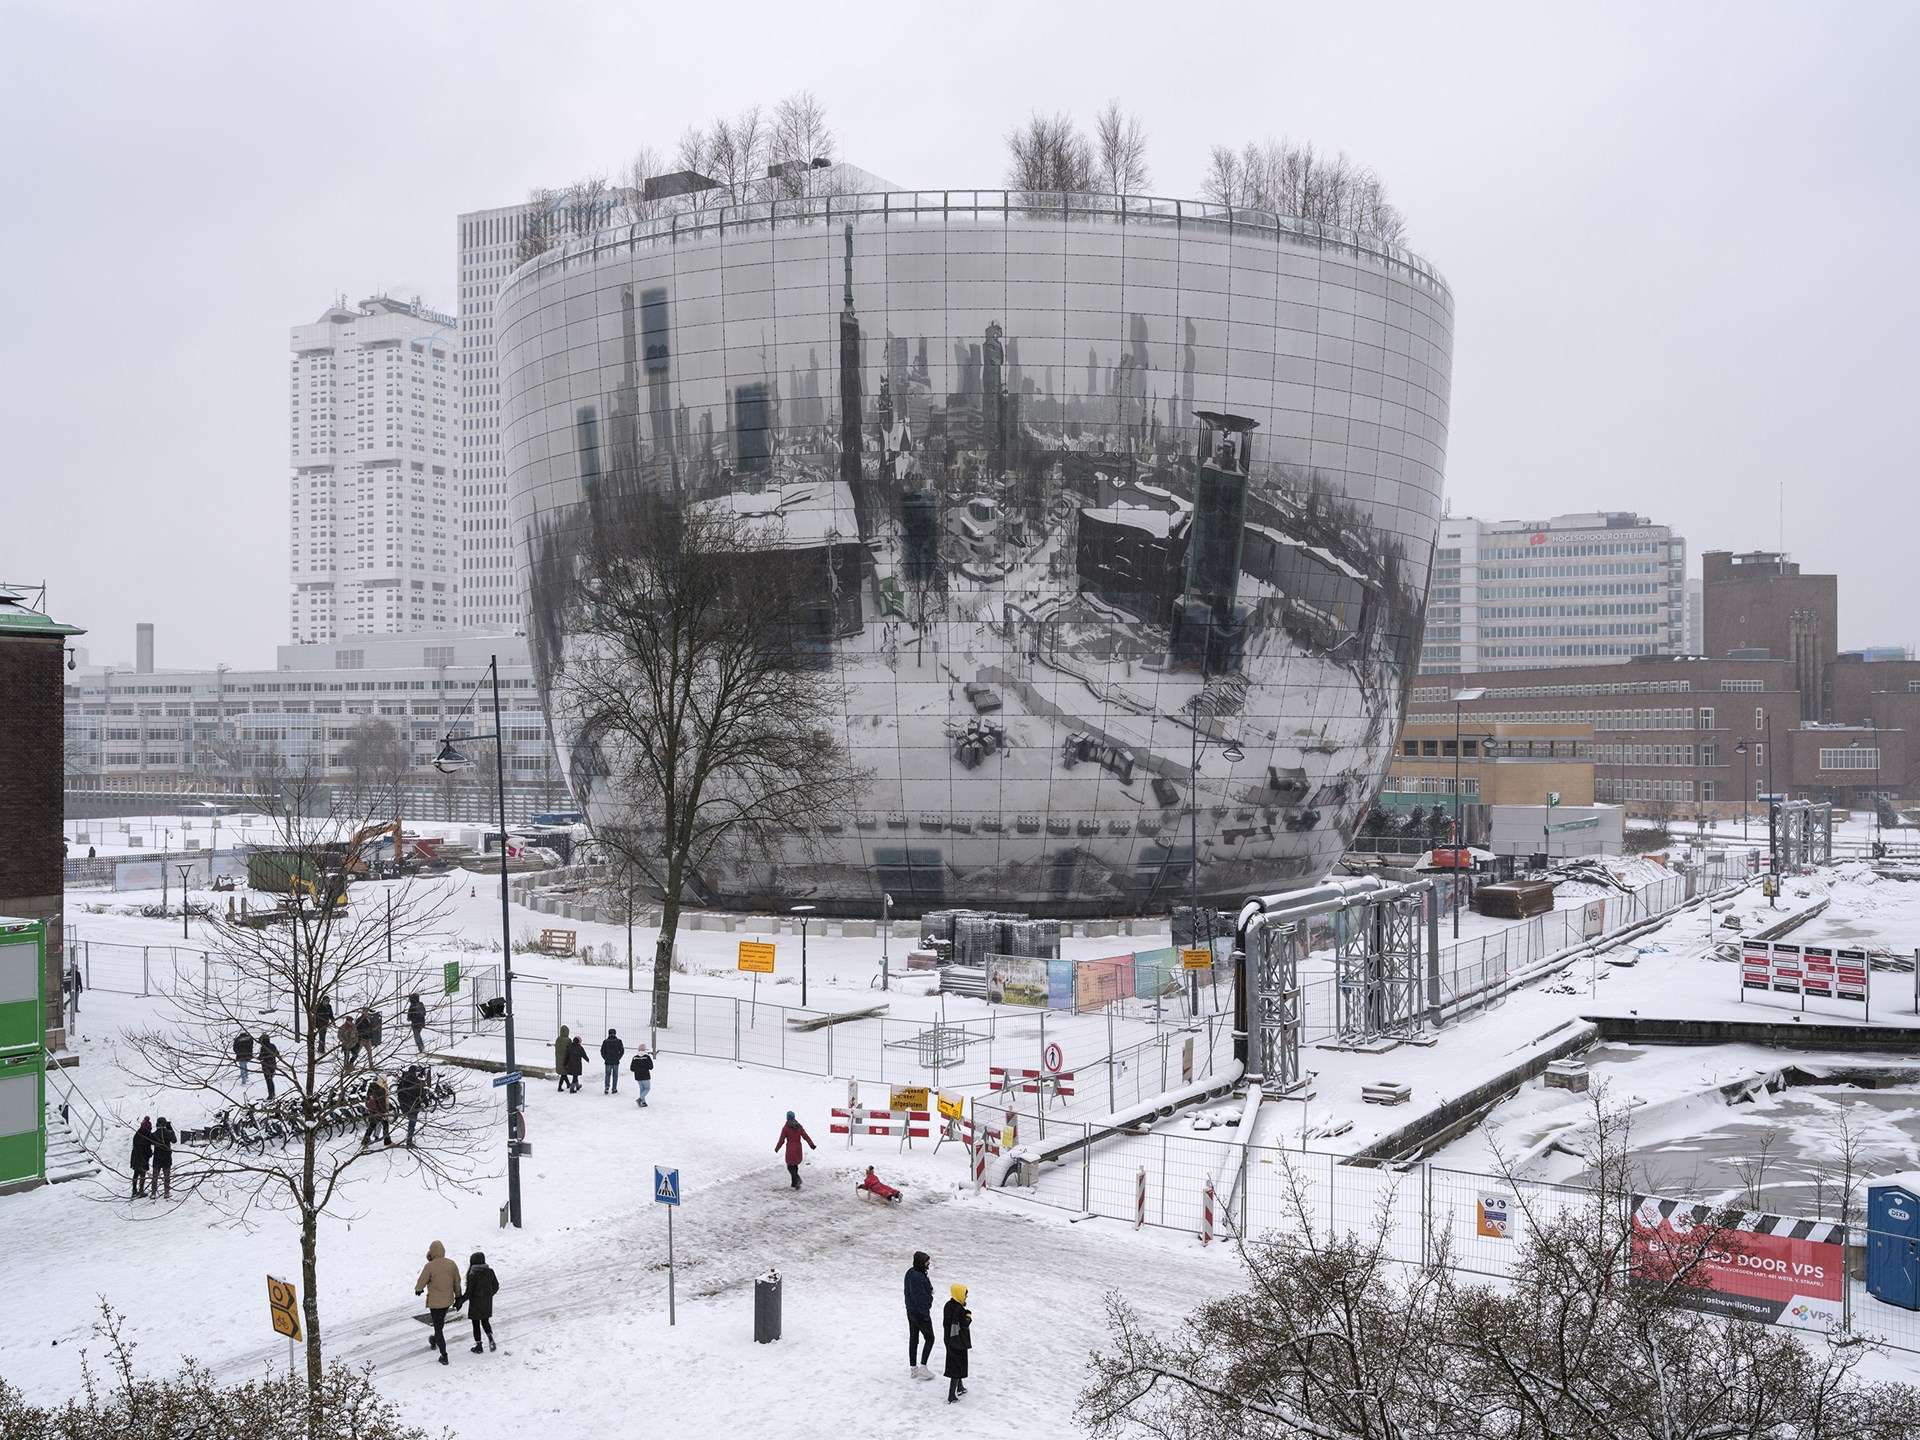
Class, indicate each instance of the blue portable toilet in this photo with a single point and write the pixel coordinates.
(1893, 1240)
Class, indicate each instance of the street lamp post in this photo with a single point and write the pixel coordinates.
(803, 911)
(886, 932)
(185, 870)
(1460, 697)
(1746, 783)
(450, 761)
(1234, 754)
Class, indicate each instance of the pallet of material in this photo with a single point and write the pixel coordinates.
(1514, 899)
(1389, 1092)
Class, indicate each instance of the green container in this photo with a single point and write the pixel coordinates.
(23, 1031)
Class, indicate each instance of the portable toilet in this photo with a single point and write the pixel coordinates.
(1893, 1240)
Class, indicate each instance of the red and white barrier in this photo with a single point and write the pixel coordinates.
(908, 1124)
(1030, 1082)
(1140, 1198)
(979, 1164)
(1206, 1215)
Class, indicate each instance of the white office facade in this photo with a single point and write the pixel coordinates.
(1584, 589)
(370, 471)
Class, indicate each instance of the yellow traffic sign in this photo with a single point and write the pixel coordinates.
(908, 1097)
(1197, 959)
(953, 1109)
(281, 1300)
(757, 956)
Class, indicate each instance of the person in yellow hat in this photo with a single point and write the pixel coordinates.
(956, 1325)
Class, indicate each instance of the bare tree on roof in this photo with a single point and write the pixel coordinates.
(1049, 154)
(1120, 144)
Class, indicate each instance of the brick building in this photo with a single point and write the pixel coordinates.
(1500, 763)
(32, 746)
(1758, 606)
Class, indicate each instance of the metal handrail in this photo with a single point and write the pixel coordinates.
(89, 1130)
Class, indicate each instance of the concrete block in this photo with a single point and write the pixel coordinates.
(1100, 929)
(859, 929)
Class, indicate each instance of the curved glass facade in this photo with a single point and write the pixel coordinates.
(1122, 515)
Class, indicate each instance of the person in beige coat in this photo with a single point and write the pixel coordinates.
(440, 1282)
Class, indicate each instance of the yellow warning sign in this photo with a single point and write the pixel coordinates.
(953, 1109)
(756, 956)
(908, 1097)
(281, 1300)
(1197, 959)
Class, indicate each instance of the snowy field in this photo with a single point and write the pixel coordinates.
(584, 1306)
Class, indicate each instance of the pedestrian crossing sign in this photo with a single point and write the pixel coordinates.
(666, 1186)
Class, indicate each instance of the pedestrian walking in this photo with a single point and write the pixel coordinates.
(74, 987)
(791, 1134)
(482, 1286)
(142, 1155)
(440, 1282)
(365, 1029)
(243, 1054)
(349, 1041)
(377, 1113)
(956, 1325)
(919, 1290)
(323, 1021)
(269, 1054)
(642, 1068)
(412, 1094)
(562, 1045)
(163, 1138)
(417, 1022)
(576, 1064)
(611, 1049)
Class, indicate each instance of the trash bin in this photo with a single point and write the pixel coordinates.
(766, 1308)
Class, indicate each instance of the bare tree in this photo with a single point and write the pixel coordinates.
(1335, 1339)
(1294, 179)
(377, 760)
(578, 208)
(737, 151)
(1049, 154)
(1120, 143)
(800, 137)
(698, 701)
(285, 984)
(645, 164)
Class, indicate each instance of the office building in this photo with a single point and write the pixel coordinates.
(370, 389)
(1571, 590)
(1154, 501)
(1758, 606)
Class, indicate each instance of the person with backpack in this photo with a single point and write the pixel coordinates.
(956, 1324)
(243, 1054)
(142, 1157)
(919, 1293)
(412, 1095)
(642, 1068)
(611, 1049)
(482, 1286)
(377, 1113)
(791, 1134)
(163, 1138)
(417, 1022)
(269, 1060)
(576, 1064)
(440, 1282)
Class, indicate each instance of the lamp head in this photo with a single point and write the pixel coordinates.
(452, 760)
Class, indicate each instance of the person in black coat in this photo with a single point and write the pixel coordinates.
(243, 1054)
(576, 1064)
(611, 1049)
(956, 1325)
(323, 1022)
(269, 1054)
(363, 1032)
(417, 1022)
(163, 1138)
(642, 1075)
(142, 1154)
(482, 1286)
(919, 1293)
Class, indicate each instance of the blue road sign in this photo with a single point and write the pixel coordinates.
(512, 1077)
(666, 1186)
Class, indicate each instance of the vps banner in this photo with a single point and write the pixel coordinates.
(1769, 1268)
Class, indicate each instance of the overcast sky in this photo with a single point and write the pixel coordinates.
(1680, 238)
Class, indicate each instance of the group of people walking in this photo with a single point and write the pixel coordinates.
(570, 1063)
(440, 1281)
(956, 1327)
(409, 1094)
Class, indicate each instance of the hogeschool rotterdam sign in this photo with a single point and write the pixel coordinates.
(1771, 1268)
(1779, 973)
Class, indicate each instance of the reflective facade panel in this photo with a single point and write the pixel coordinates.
(1121, 514)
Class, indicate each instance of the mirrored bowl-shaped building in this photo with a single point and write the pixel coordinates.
(1122, 513)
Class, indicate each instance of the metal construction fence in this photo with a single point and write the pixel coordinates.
(1273, 1195)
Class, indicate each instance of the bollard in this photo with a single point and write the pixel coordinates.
(1140, 1198)
(766, 1308)
(1206, 1214)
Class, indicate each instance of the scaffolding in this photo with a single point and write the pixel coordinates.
(1802, 834)
(1377, 964)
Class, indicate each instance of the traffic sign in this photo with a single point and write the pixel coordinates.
(281, 1298)
(450, 977)
(666, 1186)
(756, 956)
(1051, 1058)
(1553, 798)
(907, 1097)
(1197, 959)
(512, 1077)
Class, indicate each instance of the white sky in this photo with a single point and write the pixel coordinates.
(1677, 235)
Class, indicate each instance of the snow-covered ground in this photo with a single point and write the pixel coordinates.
(582, 1315)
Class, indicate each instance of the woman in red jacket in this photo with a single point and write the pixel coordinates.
(791, 1134)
